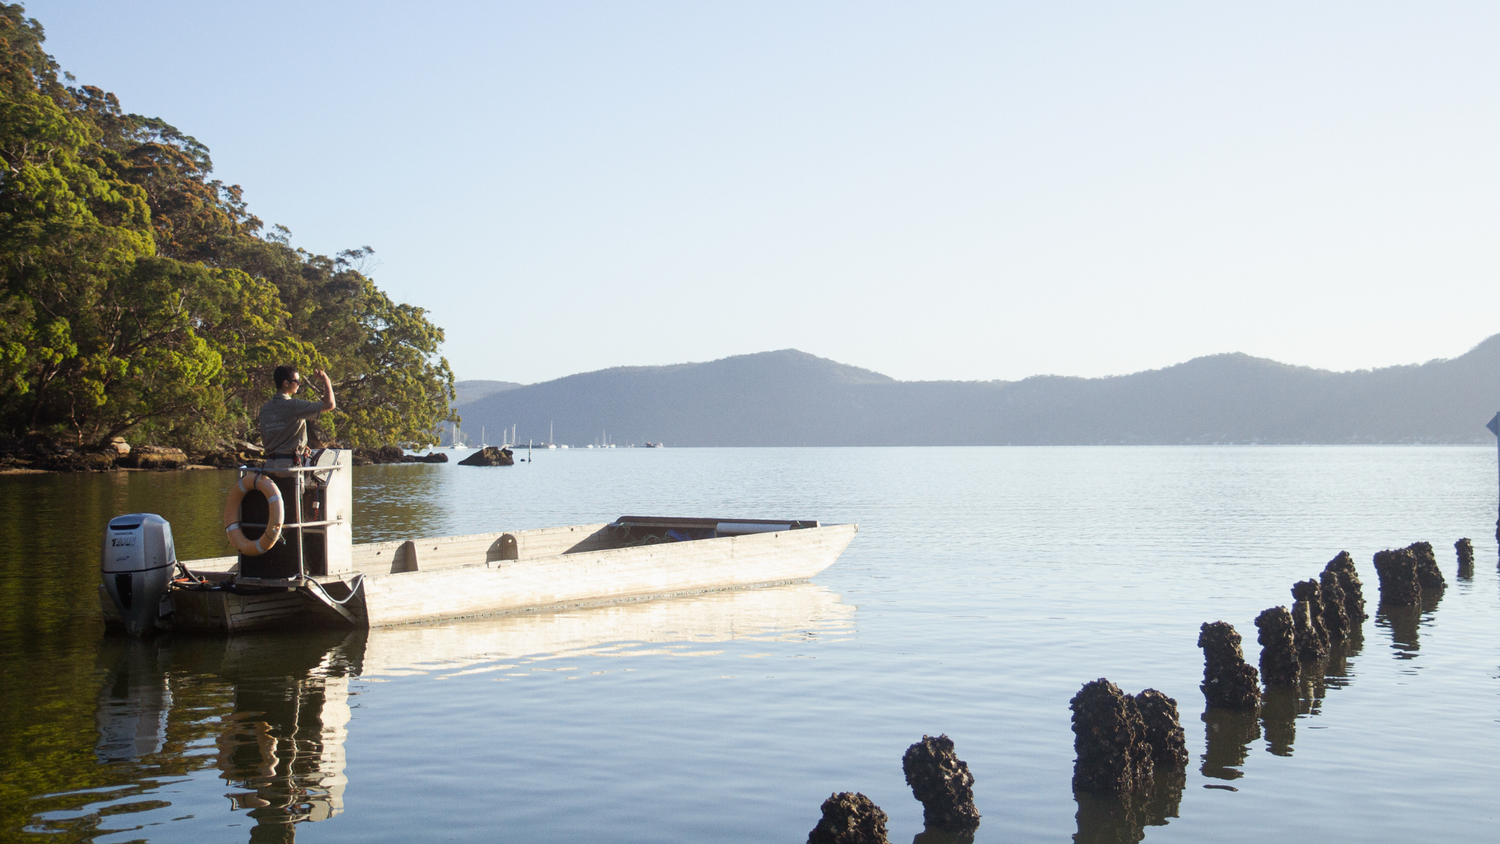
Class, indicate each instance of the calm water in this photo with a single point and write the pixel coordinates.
(985, 587)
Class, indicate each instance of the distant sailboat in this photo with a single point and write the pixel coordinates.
(482, 443)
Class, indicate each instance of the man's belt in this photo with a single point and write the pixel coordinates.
(276, 456)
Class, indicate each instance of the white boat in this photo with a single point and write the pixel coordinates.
(317, 576)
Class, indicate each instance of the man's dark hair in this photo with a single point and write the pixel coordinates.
(283, 374)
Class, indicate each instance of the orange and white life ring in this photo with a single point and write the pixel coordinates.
(266, 487)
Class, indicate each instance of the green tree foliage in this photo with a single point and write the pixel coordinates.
(139, 296)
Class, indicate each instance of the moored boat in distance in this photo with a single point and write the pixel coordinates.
(319, 577)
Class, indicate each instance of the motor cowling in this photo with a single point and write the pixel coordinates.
(135, 566)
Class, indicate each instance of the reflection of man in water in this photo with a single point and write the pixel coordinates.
(283, 748)
(283, 419)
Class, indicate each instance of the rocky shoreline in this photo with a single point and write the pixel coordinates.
(37, 457)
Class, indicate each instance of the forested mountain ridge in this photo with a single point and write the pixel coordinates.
(140, 297)
(793, 398)
(470, 391)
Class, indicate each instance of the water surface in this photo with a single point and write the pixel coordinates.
(985, 587)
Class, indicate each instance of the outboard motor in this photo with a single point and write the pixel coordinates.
(136, 565)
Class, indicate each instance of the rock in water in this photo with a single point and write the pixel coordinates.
(1279, 664)
(1465, 550)
(489, 456)
(1398, 578)
(1110, 738)
(849, 818)
(1342, 567)
(1307, 620)
(1335, 608)
(1227, 681)
(1163, 730)
(942, 783)
(1428, 574)
(154, 457)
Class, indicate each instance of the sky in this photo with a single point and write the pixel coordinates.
(951, 190)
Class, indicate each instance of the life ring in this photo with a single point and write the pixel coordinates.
(266, 487)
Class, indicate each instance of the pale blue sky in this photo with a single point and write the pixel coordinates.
(933, 191)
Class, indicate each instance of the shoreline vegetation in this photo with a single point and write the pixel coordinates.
(119, 456)
(142, 303)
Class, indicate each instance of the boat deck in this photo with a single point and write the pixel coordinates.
(633, 558)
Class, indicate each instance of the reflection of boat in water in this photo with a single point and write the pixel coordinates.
(274, 710)
(270, 714)
(778, 613)
(318, 576)
(132, 711)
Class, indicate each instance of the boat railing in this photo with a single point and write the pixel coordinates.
(294, 521)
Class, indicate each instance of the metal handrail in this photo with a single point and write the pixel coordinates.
(297, 472)
(290, 525)
(334, 468)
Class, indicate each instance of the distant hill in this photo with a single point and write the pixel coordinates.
(469, 392)
(789, 397)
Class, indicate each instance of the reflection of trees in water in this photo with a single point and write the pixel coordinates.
(1122, 819)
(276, 709)
(398, 502)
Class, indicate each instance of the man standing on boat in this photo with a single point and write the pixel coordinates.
(283, 419)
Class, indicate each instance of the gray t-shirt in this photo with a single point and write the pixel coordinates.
(283, 423)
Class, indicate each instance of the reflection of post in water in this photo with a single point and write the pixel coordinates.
(1281, 706)
(931, 835)
(134, 700)
(284, 744)
(1228, 734)
(1122, 819)
(1403, 622)
(1336, 674)
(1279, 709)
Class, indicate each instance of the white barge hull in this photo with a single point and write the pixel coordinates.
(489, 574)
(602, 577)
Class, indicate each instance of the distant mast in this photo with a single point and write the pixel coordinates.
(1494, 427)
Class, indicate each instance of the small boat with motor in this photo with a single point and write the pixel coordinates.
(298, 566)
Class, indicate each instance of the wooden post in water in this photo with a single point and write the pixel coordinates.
(1494, 427)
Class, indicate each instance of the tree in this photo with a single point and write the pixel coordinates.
(66, 229)
(139, 296)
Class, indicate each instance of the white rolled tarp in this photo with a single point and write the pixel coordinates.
(740, 528)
